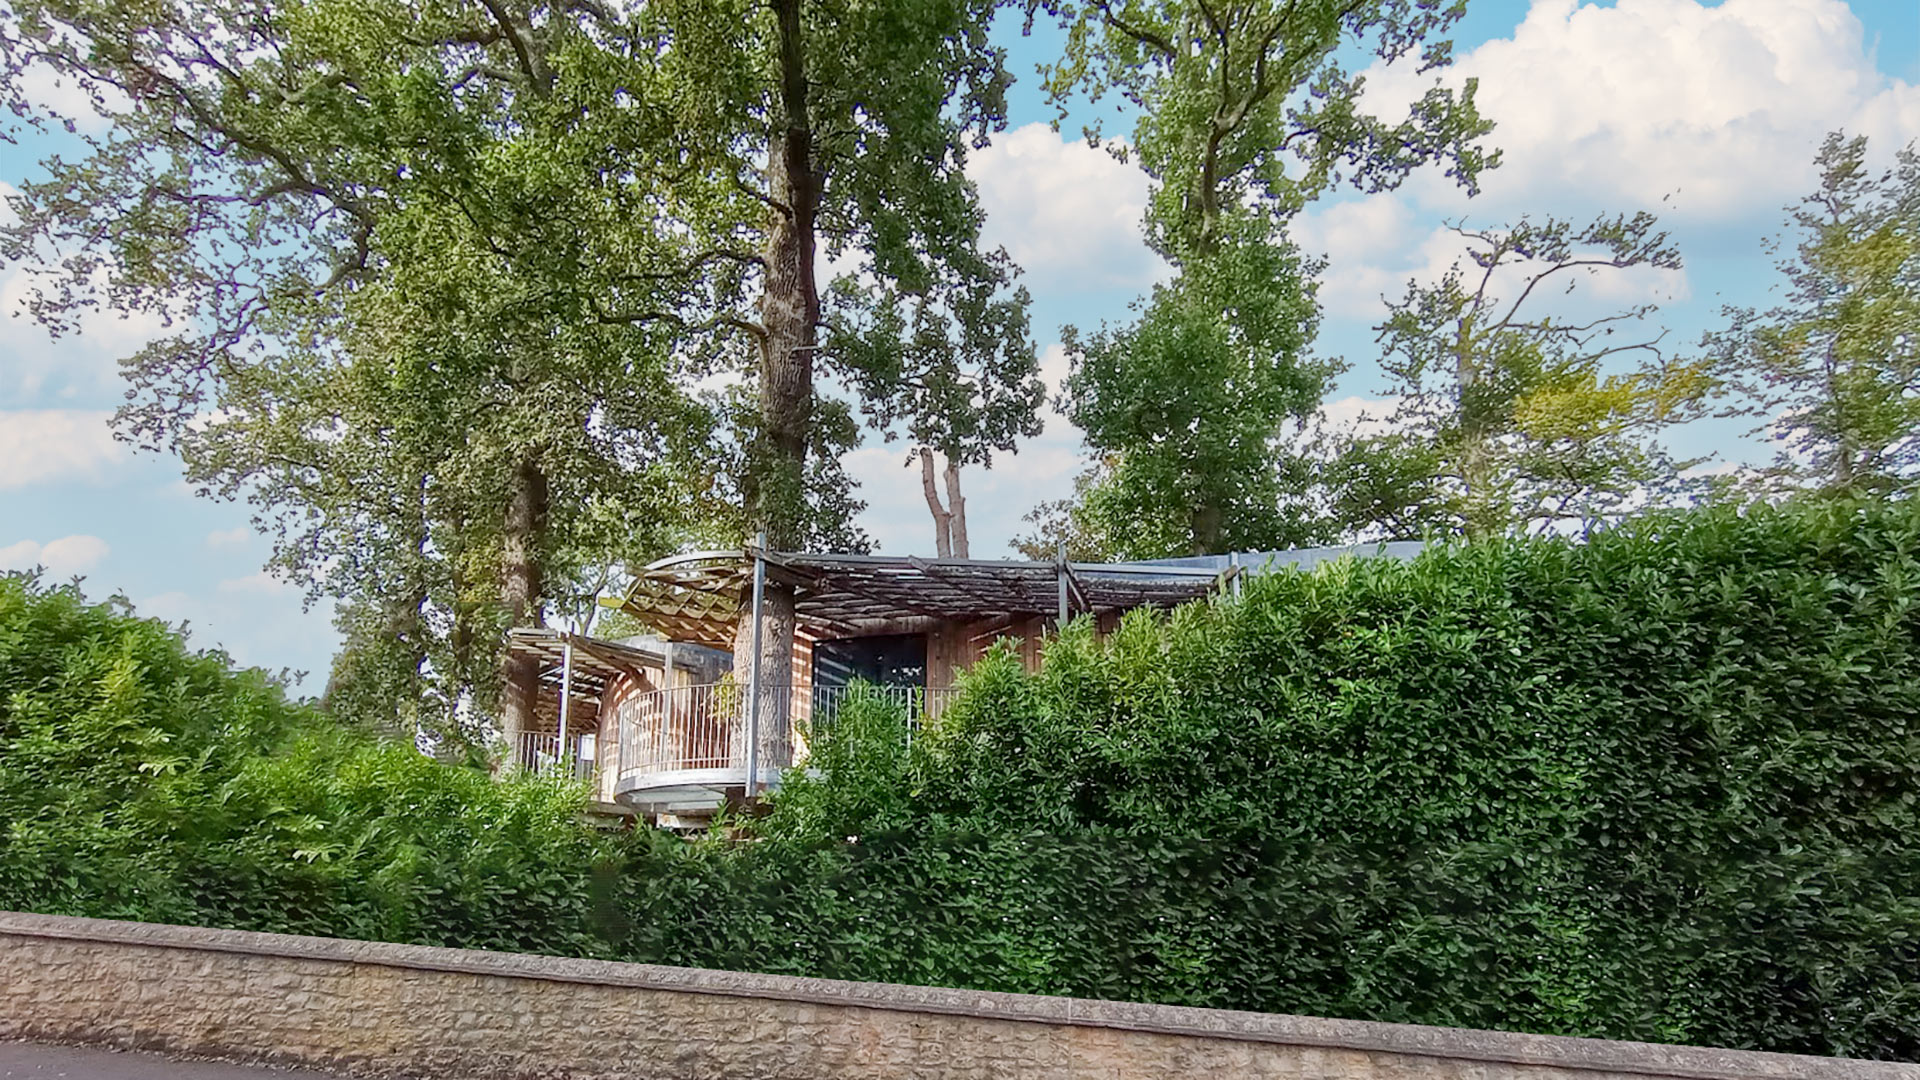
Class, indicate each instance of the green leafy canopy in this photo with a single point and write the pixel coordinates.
(1509, 417)
(1833, 372)
(1245, 115)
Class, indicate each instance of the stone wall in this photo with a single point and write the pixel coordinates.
(379, 1009)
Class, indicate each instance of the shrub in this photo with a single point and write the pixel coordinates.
(142, 780)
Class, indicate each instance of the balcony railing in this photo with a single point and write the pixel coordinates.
(687, 730)
(538, 751)
(920, 705)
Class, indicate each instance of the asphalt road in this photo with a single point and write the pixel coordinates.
(32, 1061)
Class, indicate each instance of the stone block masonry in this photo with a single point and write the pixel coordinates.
(376, 1009)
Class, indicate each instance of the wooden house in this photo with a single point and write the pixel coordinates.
(665, 727)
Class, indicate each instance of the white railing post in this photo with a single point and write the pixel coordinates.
(566, 697)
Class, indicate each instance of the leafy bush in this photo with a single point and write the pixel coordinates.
(1659, 785)
(140, 780)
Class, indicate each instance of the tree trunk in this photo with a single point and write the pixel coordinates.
(789, 314)
(520, 591)
(775, 685)
(407, 623)
(956, 513)
(1205, 528)
(942, 520)
(950, 520)
(1475, 463)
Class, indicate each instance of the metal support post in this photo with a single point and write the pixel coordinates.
(753, 673)
(566, 696)
(1060, 573)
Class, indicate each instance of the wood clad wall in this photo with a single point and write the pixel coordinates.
(606, 743)
(952, 646)
(800, 677)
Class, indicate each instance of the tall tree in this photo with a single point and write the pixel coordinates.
(1192, 404)
(666, 176)
(1834, 370)
(1245, 116)
(839, 128)
(383, 232)
(1513, 419)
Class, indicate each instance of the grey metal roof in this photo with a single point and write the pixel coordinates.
(1260, 562)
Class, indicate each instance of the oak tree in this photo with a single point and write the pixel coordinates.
(382, 233)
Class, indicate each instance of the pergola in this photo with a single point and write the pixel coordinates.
(700, 597)
(583, 676)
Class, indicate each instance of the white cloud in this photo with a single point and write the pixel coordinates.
(1357, 228)
(998, 498)
(1373, 249)
(896, 516)
(61, 96)
(44, 446)
(1723, 105)
(1054, 369)
(172, 607)
(1358, 416)
(258, 583)
(265, 628)
(61, 558)
(78, 364)
(233, 537)
(1067, 212)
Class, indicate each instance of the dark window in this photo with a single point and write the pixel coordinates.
(892, 660)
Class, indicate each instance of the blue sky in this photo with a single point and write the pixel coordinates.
(1601, 108)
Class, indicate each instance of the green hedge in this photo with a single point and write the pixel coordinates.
(1660, 785)
(140, 780)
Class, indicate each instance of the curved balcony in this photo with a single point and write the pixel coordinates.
(540, 752)
(680, 750)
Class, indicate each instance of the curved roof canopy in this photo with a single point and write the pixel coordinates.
(700, 597)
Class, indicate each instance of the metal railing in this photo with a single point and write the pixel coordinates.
(920, 705)
(704, 727)
(539, 751)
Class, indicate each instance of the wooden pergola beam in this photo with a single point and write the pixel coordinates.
(699, 595)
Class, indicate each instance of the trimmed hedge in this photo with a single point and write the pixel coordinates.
(1660, 785)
